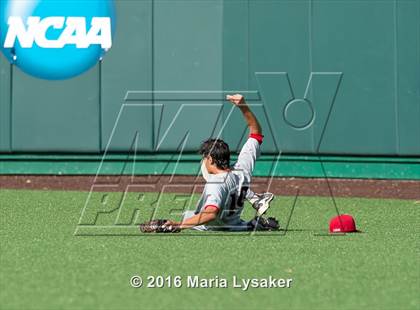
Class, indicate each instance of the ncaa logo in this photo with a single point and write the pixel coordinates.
(56, 39)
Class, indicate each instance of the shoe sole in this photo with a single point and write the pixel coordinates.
(266, 205)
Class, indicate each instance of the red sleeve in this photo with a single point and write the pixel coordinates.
(257, 137)
(211, 206)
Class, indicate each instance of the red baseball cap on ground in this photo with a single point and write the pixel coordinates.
(342, 224)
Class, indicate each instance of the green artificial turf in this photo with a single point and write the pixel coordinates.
(44, 265)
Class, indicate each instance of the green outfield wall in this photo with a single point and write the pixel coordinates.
(328, 80)
(170, 164)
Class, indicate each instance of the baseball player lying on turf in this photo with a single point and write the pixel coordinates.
(227, 187)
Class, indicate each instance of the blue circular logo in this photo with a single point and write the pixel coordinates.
(55, 39)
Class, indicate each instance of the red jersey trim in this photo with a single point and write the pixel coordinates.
(257, 137)
(211, 206)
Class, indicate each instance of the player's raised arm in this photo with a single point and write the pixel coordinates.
(251, 120)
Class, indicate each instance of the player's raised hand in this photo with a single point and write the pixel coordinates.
(239, 101)
(236, 99)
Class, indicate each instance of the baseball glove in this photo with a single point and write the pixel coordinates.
(159, 226)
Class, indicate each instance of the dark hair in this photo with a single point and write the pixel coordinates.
(218, 150)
